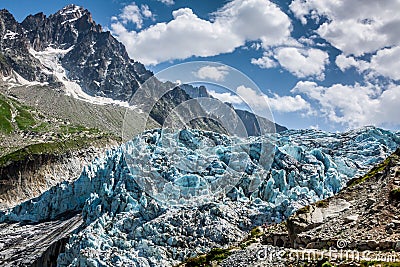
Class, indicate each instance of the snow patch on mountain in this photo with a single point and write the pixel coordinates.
(51, 59)
(10, 35)
(15, 80)
(71, 13)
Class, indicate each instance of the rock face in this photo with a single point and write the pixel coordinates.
(124, 225)
(96, 60)
(358, 226)
(362, 217)
(14, 53)
(254, 125)
(28, 178)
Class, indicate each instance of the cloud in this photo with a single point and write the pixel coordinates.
(265, 62)
(301, 62)
(385, 62)
(226, 97)
(368, 104)
(187, 35)
(146, 11)
(132, 13)
(355, 27)
(212, 73)
(345, 63)
(282, 104)
(167, 2)
(285, 104)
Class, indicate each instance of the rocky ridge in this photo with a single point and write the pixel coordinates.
(70, 50)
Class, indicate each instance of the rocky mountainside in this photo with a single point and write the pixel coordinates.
(95, 59)
(15, 54)
(70, 50)
(123, 224)
(38, 150)
(254, 125)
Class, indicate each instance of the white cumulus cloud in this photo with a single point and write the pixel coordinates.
(214, 73)
(301, 62)
(167, 2)
(226, 97)
(132, 13)
(354, 105)
(385, 62)
(266, 61)
(355, 27)
(188, 35)
(282, 104)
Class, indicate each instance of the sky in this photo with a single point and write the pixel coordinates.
(330, 65)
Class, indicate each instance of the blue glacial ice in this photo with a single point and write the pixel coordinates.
(163, 197)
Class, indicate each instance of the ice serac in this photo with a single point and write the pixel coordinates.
(123, 225)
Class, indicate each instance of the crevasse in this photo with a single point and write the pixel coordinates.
(137, 201)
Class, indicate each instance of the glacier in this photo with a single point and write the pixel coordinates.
(169, 195)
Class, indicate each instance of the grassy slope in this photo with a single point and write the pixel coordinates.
(45, 135)
(5, 116)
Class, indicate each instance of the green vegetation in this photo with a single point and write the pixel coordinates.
(322, 203)
(327, 264)
(373, 172)
(5, 116)
(44, 135)
(24, 119)
(42, 127)
(51, 148)
(23, 115)
(379, 263)
(255, 233)
(214, 256)
(304, 210)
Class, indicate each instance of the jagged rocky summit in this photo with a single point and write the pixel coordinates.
(69, 50)
(93, 58)
(124, 225)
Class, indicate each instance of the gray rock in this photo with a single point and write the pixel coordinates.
(371, 201)
(351, 218)
(397, 247)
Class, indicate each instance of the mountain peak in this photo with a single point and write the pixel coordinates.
(72, 10)
(71, 13)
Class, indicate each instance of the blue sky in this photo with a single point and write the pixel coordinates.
(331, 65)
